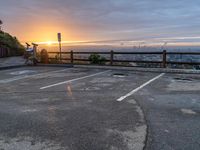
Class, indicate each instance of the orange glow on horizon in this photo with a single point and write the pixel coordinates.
(49, 43)
(44, 31)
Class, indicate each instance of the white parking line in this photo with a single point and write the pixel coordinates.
(84, 77)
(28, 76)
(139, 88)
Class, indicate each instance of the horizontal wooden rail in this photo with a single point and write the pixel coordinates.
(61, 58)
(138, 61)
(138, 53)
(183, 53)
(79, 59)
(129, 53)
(58, 52)
(163, 59)
(183, 63)
(91, 52)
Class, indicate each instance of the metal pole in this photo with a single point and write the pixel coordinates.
(59, 40)
(60, 51)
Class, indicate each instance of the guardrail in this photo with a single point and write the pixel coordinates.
(163, 55)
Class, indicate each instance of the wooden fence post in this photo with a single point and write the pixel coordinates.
(164, 62)
(72, 57)
(111, 57)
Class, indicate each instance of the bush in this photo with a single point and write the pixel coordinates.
(97, 59)
(11, 43)
(44, 58)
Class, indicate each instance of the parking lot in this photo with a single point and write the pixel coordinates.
(98, 109)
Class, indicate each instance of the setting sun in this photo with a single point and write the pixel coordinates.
(49, 43)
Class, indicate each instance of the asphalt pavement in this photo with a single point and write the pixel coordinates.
(172, 111)
(55, 108)
(80, 114)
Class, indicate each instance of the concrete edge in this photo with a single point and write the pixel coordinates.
(163, 70)
(11, 67)
(55, 65)
(42, 65)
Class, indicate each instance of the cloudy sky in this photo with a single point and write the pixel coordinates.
(146, 21)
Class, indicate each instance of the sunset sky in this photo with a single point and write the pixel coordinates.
(109, 21)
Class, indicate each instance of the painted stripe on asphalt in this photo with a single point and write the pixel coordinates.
(139, 88)
(76, 79)
(28, 76)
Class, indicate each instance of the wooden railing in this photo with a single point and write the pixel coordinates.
(162, 54)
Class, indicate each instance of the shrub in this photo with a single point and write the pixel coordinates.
(97, 59)
(44, 58)
(11, 43)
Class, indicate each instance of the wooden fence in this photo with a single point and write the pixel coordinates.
(164, 61)
(4, 52)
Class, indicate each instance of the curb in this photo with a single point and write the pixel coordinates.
(40, 65)
(55, 65)
(11, 67)
(163, 70)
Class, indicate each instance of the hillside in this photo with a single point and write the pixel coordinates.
(11, 44)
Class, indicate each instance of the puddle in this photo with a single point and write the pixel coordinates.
(29, 110)
(184, 79)
(119, 75)
(92, 89)
(106, 80)
(184, 86)
(188, 111)
(183, 83)
(58, 75)
(24, 143)
(167, 131)
(22, 72)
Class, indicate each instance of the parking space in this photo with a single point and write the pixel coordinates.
(172, 109)
(79, 108)
(80, 113)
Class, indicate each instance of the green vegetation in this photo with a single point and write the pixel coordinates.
(11, 44)
(97, 59)
(1, 22)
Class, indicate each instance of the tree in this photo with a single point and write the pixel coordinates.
(1, 22)
(11, 43)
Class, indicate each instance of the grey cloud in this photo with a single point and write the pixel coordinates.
(142, 17)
